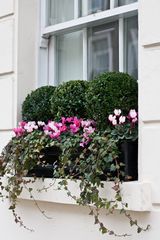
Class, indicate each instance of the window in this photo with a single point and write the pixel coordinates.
(93, 6)
(60, 11)
(88, 37)
(124, 2)
(131, 46)
(102, 49)
(69, 56)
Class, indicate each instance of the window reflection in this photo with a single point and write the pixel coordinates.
(103, 49)
(131, 48)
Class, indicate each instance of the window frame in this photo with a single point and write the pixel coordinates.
(48, 35)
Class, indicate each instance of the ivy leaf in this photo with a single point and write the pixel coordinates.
(139, 230)
(96, 220)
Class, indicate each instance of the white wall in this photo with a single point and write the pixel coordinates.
(149, 97)
(7, 74)
(27, 45)
(18, 49)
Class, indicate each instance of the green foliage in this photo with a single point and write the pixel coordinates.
(125, 132)
(69, 99)
(37, 105)
(91, 164)
(110, 91)
(23, 153)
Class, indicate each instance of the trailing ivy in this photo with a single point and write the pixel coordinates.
(86, 155)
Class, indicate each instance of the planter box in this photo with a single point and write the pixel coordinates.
(129, 156)
(136, 194)
(50, 162)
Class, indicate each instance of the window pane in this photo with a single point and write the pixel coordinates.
(103, 49)
(93, 6)
(70, 56)
(125, 2)
(131, 40)
(60, 11)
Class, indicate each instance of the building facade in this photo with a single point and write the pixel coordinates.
(39, 41)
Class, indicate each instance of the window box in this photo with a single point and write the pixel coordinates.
(136, 194)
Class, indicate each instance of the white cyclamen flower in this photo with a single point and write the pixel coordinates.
(86, 123)
(114, 122)
(30, 126)
(52, 126)
(111, 117)
(122, 119)
(40, 123)
(133, 113)
(117, 112)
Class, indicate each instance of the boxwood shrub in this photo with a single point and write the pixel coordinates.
(109, 91)
(69, 99)
(37, 105)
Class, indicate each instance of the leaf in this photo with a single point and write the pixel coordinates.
(139, 230)
(30, 189)
(96, 220)
(104, 230)
(112, 168)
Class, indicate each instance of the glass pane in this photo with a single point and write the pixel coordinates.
(131, 40)
(60, 11)
(93, 6)
(103, 49)
(70, 56)
(125, 2)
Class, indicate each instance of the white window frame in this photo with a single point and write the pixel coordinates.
(48, 35)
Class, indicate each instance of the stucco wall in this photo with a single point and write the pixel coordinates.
(7, 77)
(149, 97)
(18, 68)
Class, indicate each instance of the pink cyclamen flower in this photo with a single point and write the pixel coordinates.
(55, 135)
(18, 131)
(122, 119)
(117, 112)
(58, 124)
(81, 144)
(22, 124)
(63, 119)
(132, 113)
(69, 119)
(74, 128)
(89, 130)
(63, 128)
(77, 121)
(134, 120)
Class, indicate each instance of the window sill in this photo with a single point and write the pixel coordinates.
(136, 194)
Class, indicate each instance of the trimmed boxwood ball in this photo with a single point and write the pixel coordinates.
(69, 99)
(37, 105)
(109, 91)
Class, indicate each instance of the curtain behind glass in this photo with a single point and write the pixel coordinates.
(70, 56)
(125, 2)
(60, 11)
(93, 6)
(103, 49)
(131, 42)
